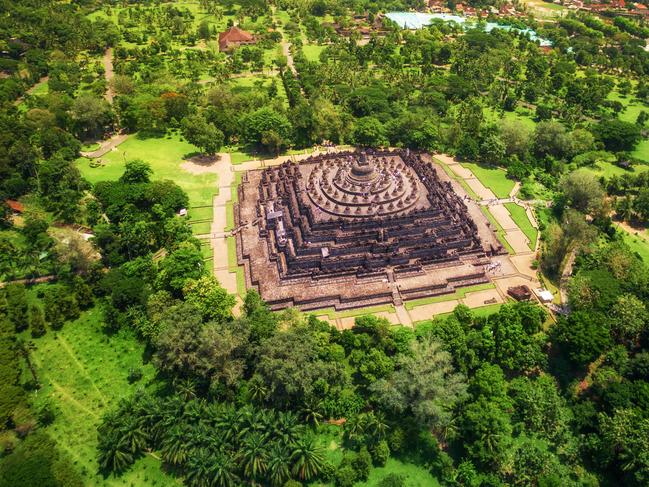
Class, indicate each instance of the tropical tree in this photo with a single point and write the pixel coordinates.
(307, 458)
(279, 460)
(254, 456)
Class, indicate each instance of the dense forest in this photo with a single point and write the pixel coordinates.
(220, 390)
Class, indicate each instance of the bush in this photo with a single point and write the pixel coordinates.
(346, 476)
(362, 464)
(396, 439)
(393, 480)
(381, 453)
(134, 375)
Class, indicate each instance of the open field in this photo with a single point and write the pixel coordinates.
(493, 178)
(608, 169)
(330, 438)
(637, 243)
(312, 52)
(519, 215)
(458, 294)
(165, 154)
(84, 373)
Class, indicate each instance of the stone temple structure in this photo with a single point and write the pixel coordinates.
(358, 229)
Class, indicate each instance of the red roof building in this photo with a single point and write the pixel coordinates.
(16, 206)
(235, 37)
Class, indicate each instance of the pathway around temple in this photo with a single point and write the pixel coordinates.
(512, 270)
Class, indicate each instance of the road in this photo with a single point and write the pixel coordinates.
(108, 73)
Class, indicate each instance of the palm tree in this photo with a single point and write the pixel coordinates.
(199, 469)
(186, 388)
(311, 412)
(253, 455)
(134, 438)
(288, 428)
(279, 459)
(376, 425)
(307, 458)
(223, 468)
(174, 448)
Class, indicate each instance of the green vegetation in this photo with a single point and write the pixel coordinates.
(458, 294)
(493, 178)
(166, 156)
(519, 215)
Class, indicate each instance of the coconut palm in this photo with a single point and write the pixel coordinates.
(311, 412)
(253, 455)
(174, 447)
(223, 470)
(307, 458)
(133, 436)
(200, 468)
(279, 459)
(288, 428)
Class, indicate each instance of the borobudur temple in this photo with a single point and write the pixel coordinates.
(355, 229)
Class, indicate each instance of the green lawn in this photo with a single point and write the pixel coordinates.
(493, 178)
(312, 52)
(458, 294)
(608, 169)
(519, 215)
(637, 243)
(642, 151)
(520, 116)
(165, 154)
(84, 373)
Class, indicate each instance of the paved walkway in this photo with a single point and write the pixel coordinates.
(106, 146)
(108, 73)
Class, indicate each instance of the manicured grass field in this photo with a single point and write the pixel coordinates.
(608, 169)
(637, 243)
(519, 215)
(458, 294)
(493, 178)
(165, 154)
(312, 52)
(642, 151)
(84, 373)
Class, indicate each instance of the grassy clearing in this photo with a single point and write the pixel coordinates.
(330, 438)
(458, 294)
(500, 231)
(332, 314)
(312, 52)
(638, 243)
(519, 215)
(493, 178)
(479, 311)
(642, 151)
(607, 169)
(165, 154)
(520, 116)
(84, 373)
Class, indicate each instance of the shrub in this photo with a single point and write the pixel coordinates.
(362, 464)
(393, 480)
(346, 476)
(381, 453)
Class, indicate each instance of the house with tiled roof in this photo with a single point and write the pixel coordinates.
(235, 37)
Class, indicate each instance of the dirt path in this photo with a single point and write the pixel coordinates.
(106, 146)
(108, 73)
(31, 90)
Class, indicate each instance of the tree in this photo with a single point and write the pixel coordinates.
(261, 123)
(184, 263)
(629, 319)
(279, 460)
(486, 431)
(617, 135)
(136, 171)
(307, 459)
(516, 137)
(641, 204)
(91, 115)
(214, 302)
(551, 139)
(17, 306)
(424, 384)
(203, 134)
(370, 132)
(583, 336)
(582, 191)
(36, 321)
(185, 347)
